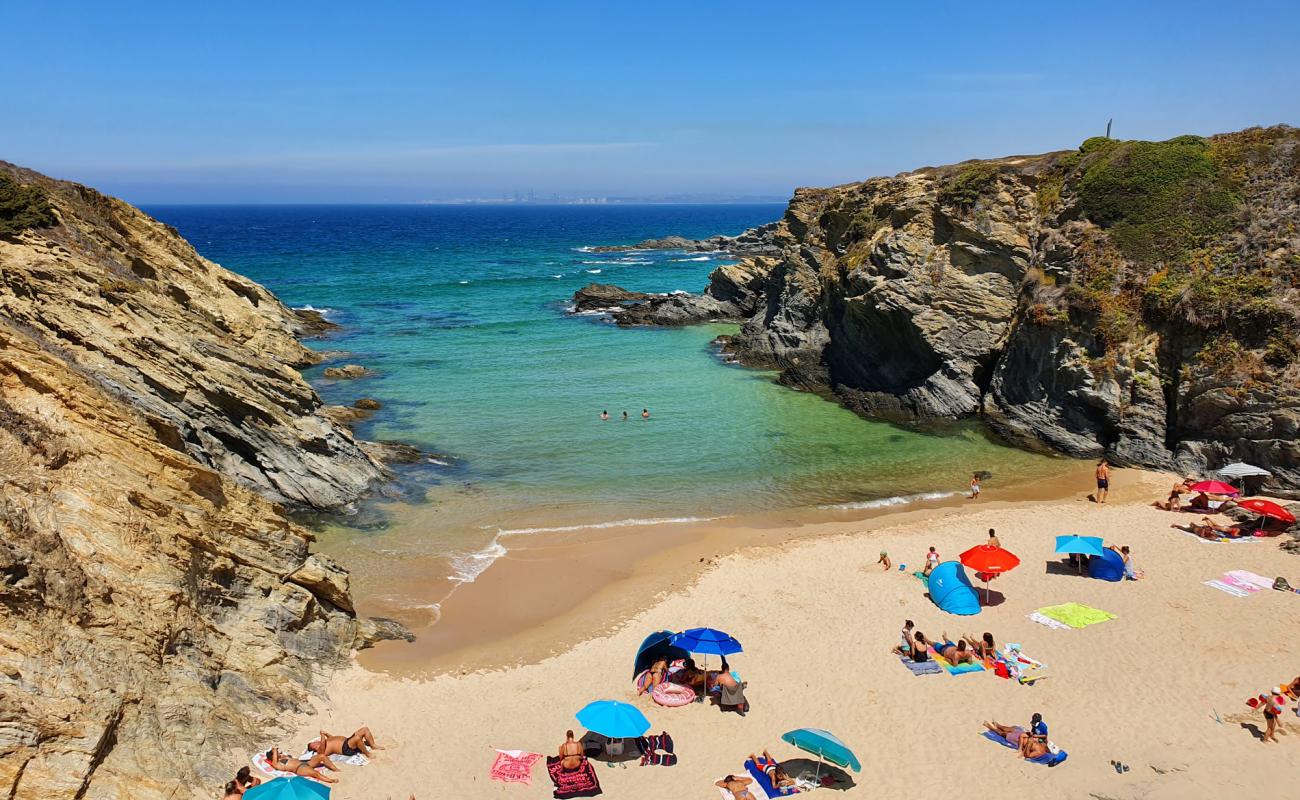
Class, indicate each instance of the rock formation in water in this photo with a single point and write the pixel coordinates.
(753, 242)
(156, 605)
(1133, 299)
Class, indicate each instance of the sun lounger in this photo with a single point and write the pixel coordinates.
(1048, 759)
(921, 667)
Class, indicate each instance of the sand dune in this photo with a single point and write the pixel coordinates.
(818, 618)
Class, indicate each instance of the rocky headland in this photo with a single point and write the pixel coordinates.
(158, 608)
(1135, 299)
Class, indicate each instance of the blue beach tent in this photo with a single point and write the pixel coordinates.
(656, 646)
(952, 591)
(1109, 566)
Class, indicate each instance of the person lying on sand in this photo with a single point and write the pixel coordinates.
(1209, 529)
(983, 647)
(362, 742)
(778, 776)
(307, 769)
(739, 787)
(1029, 746)
(658, 673)
(571, 755)
(955, 653)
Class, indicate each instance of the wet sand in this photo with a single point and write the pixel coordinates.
(553, 590)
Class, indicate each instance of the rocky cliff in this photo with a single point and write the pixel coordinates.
(156, 606)
(1134, 299)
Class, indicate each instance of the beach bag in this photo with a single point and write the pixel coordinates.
(614, 747)
(1281, 585)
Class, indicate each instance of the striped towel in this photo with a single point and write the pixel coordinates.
(1223, 587)
(1246, 576)
(1049, 622)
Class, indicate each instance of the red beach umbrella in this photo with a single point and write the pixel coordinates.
(1214, 487)
(991, 561)
(1267, 508)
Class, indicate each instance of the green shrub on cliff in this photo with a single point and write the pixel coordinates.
(1158, 200)
(964, 189)
(22, 207)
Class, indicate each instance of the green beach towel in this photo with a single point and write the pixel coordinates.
(1076, 615)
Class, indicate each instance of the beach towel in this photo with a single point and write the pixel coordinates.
(765, 783)
(921, 667)
(514, 766)
(579, 782)
(1227, 589)
(1241, 577)
(1049, 622)
(1076, 615)
(355, 760)
(1049, 759)
(1217, 540)
(1019, 666)
(259, 761)
(955, 669)
(1238, 583)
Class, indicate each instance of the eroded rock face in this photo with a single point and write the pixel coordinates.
(986, 288)
(157, 608)
(207, 356)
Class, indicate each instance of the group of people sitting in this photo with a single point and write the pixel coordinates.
(966, 650)
(362, 742)
(731, 692)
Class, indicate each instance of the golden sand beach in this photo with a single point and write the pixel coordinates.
(1162, 687)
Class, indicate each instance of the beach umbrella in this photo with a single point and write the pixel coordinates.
(654, 647)
(1267, 508)
(989, 560)
(1243, 470)
(707, 641)
(1214, 487)
(613, 719)
(1082, 545)
(295, 788)
(824, 745)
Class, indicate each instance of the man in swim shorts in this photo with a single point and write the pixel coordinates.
(739, 787)
(955, 653)
(1103, 480)
(362, 742)
(769, 766)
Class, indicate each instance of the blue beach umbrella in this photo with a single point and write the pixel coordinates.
(708, 641)
(295, 788)
(613, 719)
(824, 745)
(1082, 545)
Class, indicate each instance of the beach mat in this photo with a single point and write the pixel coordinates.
(1048, 622)
(1226, 588)
(514, 766)
(1076, 615)
(1050, 759)
(921, 667)
(580, 782)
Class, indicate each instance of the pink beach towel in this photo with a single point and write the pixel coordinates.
(514, 766)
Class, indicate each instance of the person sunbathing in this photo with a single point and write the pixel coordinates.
(739, 787)
(1014, 735)
(657, 673)
(984, 647)
(360, 743)
(1209, 529)
(307, 769)
(690, 675)
(571, 754)
(955, 653)
(769, 766)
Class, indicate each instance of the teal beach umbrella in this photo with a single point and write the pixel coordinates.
(613, 719)
(1082, 545)
(824, 745)
(295, 788)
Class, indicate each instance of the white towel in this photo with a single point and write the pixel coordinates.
(259, 761)
(1246, 576)
(1223, 587)
(1049, 622)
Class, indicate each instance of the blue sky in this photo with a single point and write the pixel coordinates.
(401, 102)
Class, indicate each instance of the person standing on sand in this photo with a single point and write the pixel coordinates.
(645, 413)
(975, 486)
(884, 559)
(1103, 480)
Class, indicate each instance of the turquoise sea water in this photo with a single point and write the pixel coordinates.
(462, 313)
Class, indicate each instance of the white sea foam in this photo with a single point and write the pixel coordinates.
(561, 275)
(886, 502)
(462, 282)
(324, 312)
(594, 271)
(469, 567)
(697, 258)
(618, 523)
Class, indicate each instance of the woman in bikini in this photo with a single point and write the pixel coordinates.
(739, 787)
(658, 673)
(984, 647)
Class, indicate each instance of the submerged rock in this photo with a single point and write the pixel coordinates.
(639, 308)
(368, 404)
(347, 372)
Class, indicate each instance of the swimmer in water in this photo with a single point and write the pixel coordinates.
(604, 415)
(645, 413)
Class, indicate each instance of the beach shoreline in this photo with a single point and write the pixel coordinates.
(548, 592)
(1161, 687)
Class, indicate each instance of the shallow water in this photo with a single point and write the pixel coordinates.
(461, 312)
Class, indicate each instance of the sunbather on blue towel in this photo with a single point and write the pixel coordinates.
(1030, 747)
